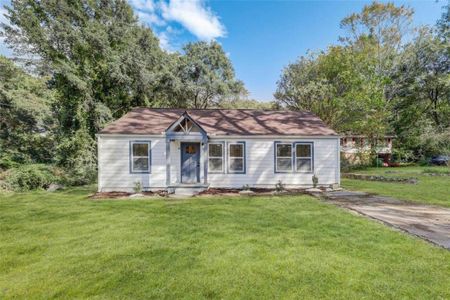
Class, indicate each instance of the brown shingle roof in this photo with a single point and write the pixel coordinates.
(222, 122)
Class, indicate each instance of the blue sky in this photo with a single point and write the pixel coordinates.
(260, 37)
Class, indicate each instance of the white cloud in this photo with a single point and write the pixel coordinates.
(164, 41)
(145, 5)
(195, 17)
(150, 18)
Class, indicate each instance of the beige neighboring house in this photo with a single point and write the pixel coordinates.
(356, 147)
(179, 150)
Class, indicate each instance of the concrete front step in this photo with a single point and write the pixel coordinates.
(187, 189)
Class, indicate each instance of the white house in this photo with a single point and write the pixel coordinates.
(199, 148)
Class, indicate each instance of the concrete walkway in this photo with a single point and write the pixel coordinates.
(431, 223)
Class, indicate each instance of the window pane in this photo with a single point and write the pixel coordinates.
(190, 149)
(140, 164)
(284, 164)
(304, 150)
(236, 164)
(140, 149)
(236, 150)
(304, 164)
(215, 164)
(215, 150)
(284, 150)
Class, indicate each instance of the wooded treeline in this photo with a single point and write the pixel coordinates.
(81, 64)
(384, 77)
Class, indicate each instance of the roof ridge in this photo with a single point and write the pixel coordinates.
(222, 109)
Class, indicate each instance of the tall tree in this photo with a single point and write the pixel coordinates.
(340, 86)
(347, 85)
(101, 60)
(206, 76)
(385, 25)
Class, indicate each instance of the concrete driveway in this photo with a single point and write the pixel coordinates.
(430, 223)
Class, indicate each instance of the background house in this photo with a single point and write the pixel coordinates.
(357, 148)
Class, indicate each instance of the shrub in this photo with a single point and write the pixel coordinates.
(315, 180)
(77, 155)
(30, 177)
(137, 187)
(246, 187)
(279, 186)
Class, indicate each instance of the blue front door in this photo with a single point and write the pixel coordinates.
(190, 162)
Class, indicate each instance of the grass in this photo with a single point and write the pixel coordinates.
(430, 189)
(62, 245)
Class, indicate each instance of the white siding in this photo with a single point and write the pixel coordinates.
(114, 164)
(260, 165)
(114, 168)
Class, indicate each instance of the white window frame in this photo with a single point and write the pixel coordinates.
(276, 157)
(132, 157)
(222, 170)
(236, 157)
(311, 157)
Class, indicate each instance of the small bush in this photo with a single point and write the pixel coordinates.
(30, 177)
(315, 180)
(279, 186)
(137, 187)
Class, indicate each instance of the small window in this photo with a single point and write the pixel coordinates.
(303, 157)
(236, 154)
(215, 157)
(140, 157)
(190, 150)
(283, 159)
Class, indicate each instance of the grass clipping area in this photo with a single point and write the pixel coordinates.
(62, 245)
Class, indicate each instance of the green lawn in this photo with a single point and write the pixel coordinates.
(429, 190)
(63, 245)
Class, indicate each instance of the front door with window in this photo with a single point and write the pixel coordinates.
(190, 162)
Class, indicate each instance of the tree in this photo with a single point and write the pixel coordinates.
(206, 76)
(101, 61)
(385, 25)
(421, 91)
(239, 103)
(349, 86)
(26, 120)
(338, 85)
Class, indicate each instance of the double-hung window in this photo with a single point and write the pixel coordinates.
(294, 157)
(216, 154)
(283, 157)
(303, 157)
(140, 157)
(236, 157)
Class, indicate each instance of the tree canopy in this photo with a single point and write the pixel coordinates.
(384, 77)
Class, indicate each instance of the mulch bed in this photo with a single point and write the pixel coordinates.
(208, 192)
(123, 195)
(257, 191)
